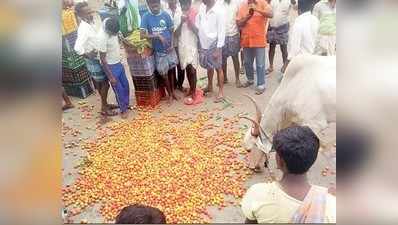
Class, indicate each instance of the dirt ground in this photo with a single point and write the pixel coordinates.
(239, 104)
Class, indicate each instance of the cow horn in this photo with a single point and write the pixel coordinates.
(258, 111)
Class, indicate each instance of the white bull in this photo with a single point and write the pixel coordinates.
(305, 96)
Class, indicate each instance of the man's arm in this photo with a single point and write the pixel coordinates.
(242, 22)
(267, 13)
(107, 70)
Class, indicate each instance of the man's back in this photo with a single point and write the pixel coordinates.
(303, 35)
(268, 203)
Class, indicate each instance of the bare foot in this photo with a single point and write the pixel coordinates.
(67, 106)
(175, 97)
(207, 89)
(238, 84)
(269, 70)
(124, 115)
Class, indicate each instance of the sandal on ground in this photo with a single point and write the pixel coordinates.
(108, 113)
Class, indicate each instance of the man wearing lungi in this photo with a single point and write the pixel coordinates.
(86, 45)
(252, 18)
(232, 39)
(210, 27)
(278, 31)
(325, 11)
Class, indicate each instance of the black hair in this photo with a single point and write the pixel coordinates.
(306, 5)
(140, 214)
(185, 2)
(79, 6)
(147, 1)
(298, 147)
(112, 25)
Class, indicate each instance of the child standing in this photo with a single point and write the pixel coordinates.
(158, 26)
(188, 45)
(108, 45)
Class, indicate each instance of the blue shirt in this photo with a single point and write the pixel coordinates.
(158, 24)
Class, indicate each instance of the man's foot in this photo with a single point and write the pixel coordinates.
(67, 106)
(124, 115)
(238, 84)
(247, 84)
(175, 97)
(207, 89)
(219, 99)
(269, 70)
(112, 106)
(260, 90)
(283, 69)
(242, 70)
(108, 112)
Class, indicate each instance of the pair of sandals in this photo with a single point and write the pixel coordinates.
(110, 111)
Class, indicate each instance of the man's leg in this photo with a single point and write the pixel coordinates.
(248, 62)
(180, 77)
(242, 66)
(235, 60)
(171, 77)
(260, 69)
(224, 69)
(220, 77)
(68, 103)
(103, 91)
(271, 55)
(191, 74)
(284, 57)
(210, 73)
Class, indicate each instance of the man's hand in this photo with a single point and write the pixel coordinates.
(162, 39)
(112, 80)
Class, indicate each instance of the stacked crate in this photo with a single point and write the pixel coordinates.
(75, 77)
(142, 69)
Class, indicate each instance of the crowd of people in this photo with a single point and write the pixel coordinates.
(185, 35)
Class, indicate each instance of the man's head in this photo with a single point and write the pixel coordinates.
(84, 12)
(154, 6)
(208, 2)
(112, 26)
(67, 4)
(305, 6)
(140, 214)
(172, 4)
(296, 149)
(185, 5)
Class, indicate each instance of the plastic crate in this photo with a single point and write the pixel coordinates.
(147, 98)
(76, 75)
(141, 65)
(147, 83)
(73, 61)
(80, 90)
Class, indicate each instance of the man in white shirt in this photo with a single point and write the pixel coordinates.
(86, 45)
(232, 38)
(278, 31)
(210, 27)
(325, 11)
(304, 32)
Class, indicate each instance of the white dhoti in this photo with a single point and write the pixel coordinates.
(326, 45)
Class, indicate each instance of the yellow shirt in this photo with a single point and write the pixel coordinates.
(268, 203)
(69, 23)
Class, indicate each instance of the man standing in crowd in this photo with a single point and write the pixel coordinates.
(278, 31)
(232, 39)
(86, 45)
(252, 19)
(292, 199)
(304, 32)
(173, 8)
(210, 27)
(325, 11)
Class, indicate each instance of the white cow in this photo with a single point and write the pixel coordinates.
(306, 96)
